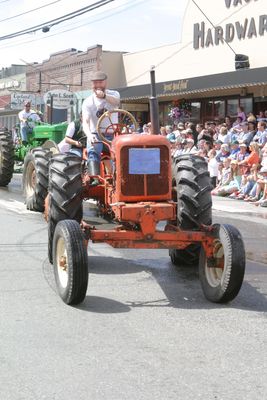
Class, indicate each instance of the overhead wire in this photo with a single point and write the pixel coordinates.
(132, 3)
(160, 62)
(136, 3)
(29, 11)
(58, 20)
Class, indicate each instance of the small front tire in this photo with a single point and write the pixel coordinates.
(222, 281)
(70, 262)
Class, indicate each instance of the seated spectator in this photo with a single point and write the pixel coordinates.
(145, 130)
(222, 136)
(178, 148)
(261, 187)
(234, 149)
(189, 147)
(163, 131)
(199, 128)
(225, 177)
(232, 135)
(170, 134)
(251, 117)
(254, 156)
(217, 146)
(180, 128)
(261, 116)
(224, 153)
(263, 155)
(242, 154)
(228, 122)
(237, 123)
(203, 153)
(247, 184)
(245, 136)
(233, 186)
(261, 135)
(192, 127)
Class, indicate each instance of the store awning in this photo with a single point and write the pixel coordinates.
(201, 84)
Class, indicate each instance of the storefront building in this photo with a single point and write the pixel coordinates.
(201, 70)
(71, 70)
(12, 80)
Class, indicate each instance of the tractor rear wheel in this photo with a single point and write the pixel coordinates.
(7, 157)
(65, 193)
(35, 178)
(222, 280)
(70, 262)
(192, 188)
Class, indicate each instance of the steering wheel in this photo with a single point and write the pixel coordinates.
(106, 125)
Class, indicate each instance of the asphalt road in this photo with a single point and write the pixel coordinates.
(144, 331)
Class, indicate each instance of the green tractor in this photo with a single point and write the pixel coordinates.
(42, 143)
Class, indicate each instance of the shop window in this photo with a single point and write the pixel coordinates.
(195, 111)
(232, 106)
(247, 104)
(218, 109)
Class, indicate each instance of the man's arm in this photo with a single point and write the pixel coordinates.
(113, 98)
(69, 135)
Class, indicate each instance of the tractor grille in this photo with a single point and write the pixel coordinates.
(150, 184)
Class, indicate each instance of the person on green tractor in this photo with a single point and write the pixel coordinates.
(27, 118)
(101, 100)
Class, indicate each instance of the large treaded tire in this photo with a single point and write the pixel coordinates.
(191, 182)
(7, 157)
(65, 193)
(70, 262)
(222, 282)
(35, 178)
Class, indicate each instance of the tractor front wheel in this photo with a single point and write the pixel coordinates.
(65, 193)
(7, 157)
(35, 178)
(222, 276)
(70, 262)
(192, 191)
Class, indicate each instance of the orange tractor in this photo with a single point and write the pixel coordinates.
(140, 187)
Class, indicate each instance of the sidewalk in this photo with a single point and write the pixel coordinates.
(249, 219)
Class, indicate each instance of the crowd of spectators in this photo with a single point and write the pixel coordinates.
(235, 151)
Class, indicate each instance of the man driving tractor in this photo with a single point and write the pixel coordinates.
(27, 118)
(101, 100)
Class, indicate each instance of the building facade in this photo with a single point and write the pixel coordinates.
(12, 80)
(201, 68)
(71, 70)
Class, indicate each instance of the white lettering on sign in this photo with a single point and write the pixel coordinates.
(248, 29)
(60, 98)
(9, 84)
(17, 100)
(235, 3)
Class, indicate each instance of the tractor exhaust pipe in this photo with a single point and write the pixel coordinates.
(153, 105)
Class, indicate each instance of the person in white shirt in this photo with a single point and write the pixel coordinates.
(101, 100)
(213, 167)
(27, 118)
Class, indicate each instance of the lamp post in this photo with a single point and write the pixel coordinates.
(50, 104)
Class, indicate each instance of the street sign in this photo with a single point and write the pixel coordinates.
(18, 98)
(61, 98)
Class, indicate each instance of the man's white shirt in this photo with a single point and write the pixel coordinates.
(93, 104)
(28, 114)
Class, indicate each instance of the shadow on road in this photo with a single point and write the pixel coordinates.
(181, 286)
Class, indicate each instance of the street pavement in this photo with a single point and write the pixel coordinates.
(251, 220)
(144, 332)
